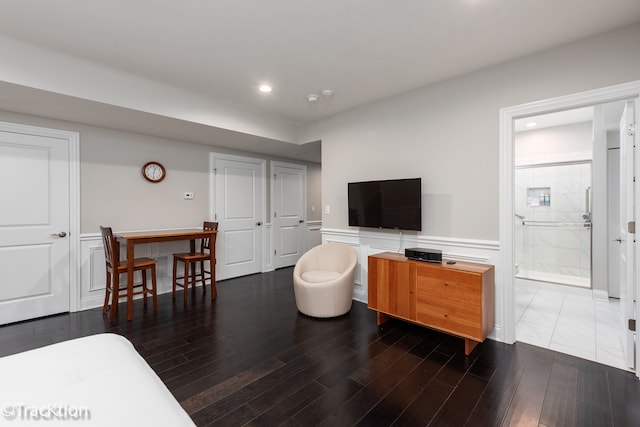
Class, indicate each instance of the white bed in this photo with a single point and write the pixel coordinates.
(96, 380)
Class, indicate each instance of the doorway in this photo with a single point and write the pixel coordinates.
(288, 205)
(556, 307)
(38, 233)
(238, 184)
(508, 214)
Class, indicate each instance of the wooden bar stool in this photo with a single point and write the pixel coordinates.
(115, 268)
(191, 275)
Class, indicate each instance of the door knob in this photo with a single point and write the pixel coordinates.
(60, 234)
(301, 221)
(259, 223)
(619, 240)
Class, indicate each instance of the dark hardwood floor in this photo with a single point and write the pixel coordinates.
(250, 358)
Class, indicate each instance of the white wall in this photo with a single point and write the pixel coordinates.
(448, 133)
(554, 144)
(314, 198)
(113, 192)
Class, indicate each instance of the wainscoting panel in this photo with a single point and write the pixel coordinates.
(372, 242)
(313, 233)
(92, 269)
(93, 273)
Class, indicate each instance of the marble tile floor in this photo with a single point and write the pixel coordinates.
(571, 322)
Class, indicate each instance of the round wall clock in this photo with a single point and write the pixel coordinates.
(154, 172)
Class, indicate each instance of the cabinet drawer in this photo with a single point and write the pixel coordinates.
(465, 288)
(450, 316)
(426, 270)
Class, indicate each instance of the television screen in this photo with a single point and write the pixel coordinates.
(395, 204)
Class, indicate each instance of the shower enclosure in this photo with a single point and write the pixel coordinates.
(553, 222)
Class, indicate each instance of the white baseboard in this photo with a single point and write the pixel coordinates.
(372, 242)
(93, 274)
(92, 269)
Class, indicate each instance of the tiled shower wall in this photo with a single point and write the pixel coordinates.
(553, 240)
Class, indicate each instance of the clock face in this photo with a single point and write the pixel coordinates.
(153, 172)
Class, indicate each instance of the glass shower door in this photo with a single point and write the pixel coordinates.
(553, 223)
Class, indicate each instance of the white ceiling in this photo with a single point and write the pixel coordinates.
(364, 50)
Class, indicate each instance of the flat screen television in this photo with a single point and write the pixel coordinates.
(394, 204)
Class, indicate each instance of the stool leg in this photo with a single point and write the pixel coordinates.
(185, 281)
(144, 286)
(115, 294)
(154, 289)
(204, 279)
(175, 275)
(106, 293)
(193, 278)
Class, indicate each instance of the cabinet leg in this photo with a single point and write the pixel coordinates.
(469, 345)
(381, 318)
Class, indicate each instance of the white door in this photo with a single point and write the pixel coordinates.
(613, 216)
(34, 223)
(239, 210)
(289, 212)
(627, 216)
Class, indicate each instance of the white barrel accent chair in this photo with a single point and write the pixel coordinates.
(323, 280)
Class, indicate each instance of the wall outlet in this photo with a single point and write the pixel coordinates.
(189, 196)
(327, 209)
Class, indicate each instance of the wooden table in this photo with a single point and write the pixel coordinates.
(133, 238)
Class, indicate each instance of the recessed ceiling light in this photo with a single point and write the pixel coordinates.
(327, 93)
(265, 88)
(531, 124)
(313, 97)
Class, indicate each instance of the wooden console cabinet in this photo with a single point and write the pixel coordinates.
(457, 299)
